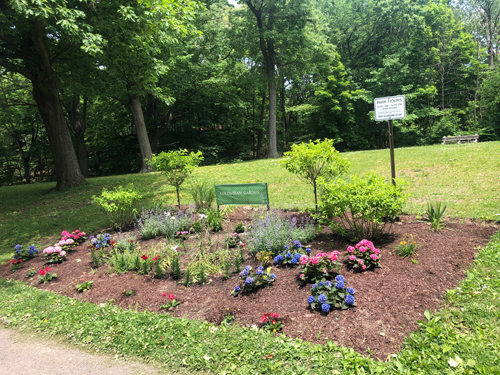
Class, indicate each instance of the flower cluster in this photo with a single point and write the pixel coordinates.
(66, 244)
(77, 236)
(182, 234)
(252, 281)
(291, 255)
(173, 302)
(363, 256)
(323, 265)
(270, 322)
(54, 254)
(45, 276)
(234, 240)
(100, 241)
(326, 294)
(22, 255)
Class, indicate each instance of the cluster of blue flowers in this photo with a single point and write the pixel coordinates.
(30, 253)
(100, 241)
(291, 255)
(340, 296)
(253, 280)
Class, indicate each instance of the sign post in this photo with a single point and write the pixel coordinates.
(388, 109)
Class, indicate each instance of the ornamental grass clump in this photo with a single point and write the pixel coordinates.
(407, 246)
(321, 266)
(252, 281)
(326, 295)
(363, 256)
(291, 255)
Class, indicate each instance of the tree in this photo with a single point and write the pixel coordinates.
(176, 166)
(313, 160)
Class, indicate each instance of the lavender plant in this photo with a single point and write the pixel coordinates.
(166, 222)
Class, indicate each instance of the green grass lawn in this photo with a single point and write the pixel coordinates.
(462, 338)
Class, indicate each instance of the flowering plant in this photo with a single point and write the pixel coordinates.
(318, 267)
(66, 245)
(54, 254)
(363, 256)
(100, 241)
(22, 255)
(77, 236)
(271, 322)
(234, 240)
(84, 286)
(253, 281)
(325, 295)
(45, 276)
(291, 255)
(406, 248)
(182, 234)
(173, 302)
(31, 273)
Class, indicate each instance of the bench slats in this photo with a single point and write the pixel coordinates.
(461, 138)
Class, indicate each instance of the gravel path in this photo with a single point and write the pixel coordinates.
(29, 354)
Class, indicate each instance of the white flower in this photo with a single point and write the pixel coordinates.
(455, 362)
(254, 327)
(174, 248)
(203, 216)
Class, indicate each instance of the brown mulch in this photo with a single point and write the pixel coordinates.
(389, 300)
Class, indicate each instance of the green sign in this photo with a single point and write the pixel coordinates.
(242, 194)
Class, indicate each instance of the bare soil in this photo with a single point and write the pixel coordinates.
(389, 299)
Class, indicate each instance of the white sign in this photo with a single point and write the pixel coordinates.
(390, 108)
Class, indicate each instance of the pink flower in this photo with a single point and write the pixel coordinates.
(69, 241)
(335, 252)
(333, 258)
(301, 276)
(242, 244)
(362, 249)
(47, 269)
(303, 260)
(374, 256)
(352, 257)
(363, 267)
(61, 243)
(376, 251)
(315, 260)
(360, 261)
(321, 255)
(62, 253)
(350, 249)
(171, 297)
(64, 233)
(164, 294)
(263, 319)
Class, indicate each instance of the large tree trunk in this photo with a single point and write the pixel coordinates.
(273, 148)
(142, 134)
(79, 127)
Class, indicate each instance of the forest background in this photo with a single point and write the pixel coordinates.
(92, 88)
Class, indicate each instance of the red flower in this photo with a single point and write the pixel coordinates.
(171, 297)
(41, 272)
(144, 257)
(275, 316)
(112, 243)
(47, 269)
(274, 321)
(15, 262)
(263, 319)
(20, 260)
(156, 258)
(10, 260)
(164, 294)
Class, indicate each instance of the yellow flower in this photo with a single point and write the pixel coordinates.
(274, 330)
(401, 243)
(404, 242)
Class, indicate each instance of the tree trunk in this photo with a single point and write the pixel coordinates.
(142, 134)
(79, 126)
(273, 146)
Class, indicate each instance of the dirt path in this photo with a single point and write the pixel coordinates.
(29, 354)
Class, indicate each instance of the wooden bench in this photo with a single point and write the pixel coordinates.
(461, 138)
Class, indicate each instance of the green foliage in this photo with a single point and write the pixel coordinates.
(252, 281)
(128, 292)
(119, 204)
(263, 257)
(239, 228)
(176, 166)
(233, 240)
(435, 214)
(84, 286)
(97, 257)
(203, 194)
(333, 295)
(187, 278)
(214, 220)
(364, 205)
(313, 160)
(407, 246)
(176, 268)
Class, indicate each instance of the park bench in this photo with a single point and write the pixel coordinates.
(461, 138)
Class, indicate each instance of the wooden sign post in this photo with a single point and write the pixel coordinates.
(388, 109)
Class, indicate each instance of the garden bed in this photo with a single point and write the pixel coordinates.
(389, 299)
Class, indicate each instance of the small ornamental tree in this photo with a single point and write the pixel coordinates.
(176, 166)
(313, 160)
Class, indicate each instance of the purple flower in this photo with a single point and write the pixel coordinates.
(236, 288)
(249, 280)
(273, 276)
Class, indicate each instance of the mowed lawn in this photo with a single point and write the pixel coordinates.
(465, 177)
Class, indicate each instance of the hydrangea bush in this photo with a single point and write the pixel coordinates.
(291, 255)
(54, 254)
(100, 241)
(326, 295)
(77, 236)
(321, 266)
(363, 256)
(22, 255)
(252, 281)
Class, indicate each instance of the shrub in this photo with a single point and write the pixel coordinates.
(325, 295)
(272, 232)
(240, 228)
(119, 204)
(321, 266)
(291, 255)
(214, 220)
(313, 160)
(361, 208)
(363, 256)
(435, 214)
(263, 257)
(406, 247)
(22, 255)
(176, 166)
(54, 254)
(253, 281)
(203, 194)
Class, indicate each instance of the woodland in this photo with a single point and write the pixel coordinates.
(91, 88)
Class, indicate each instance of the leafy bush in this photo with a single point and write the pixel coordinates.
(313, 160)
(406, 247)
(435, 213)
(119, 204)
(54, 254)
(166, 222)
(363, 256)
(291, 255)
(361, 208)
(321, 266)
(240, 228)
(253, 281)
(214, 220)
(272, 232)
(176, 166)
(325, 295)
(22, 255)
(203, 194)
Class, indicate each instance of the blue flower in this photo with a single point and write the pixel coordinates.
(277, 259)
(30, 252)
(297, 256)
(18, 251)
(286, 247)
(288, 255)
(325, 307)
(322, 298)
(340, 278)
(328, 284)
(273, 276)
(340, 285)
(236, 288)
(249, 280)
(245, 273)
(258, 272)
(313, 287)
(349, 300)
(36, 250)
(247, 268)
(308, 250)
(294, 261)
(241, 274)
(15, 256)
(32, 247)
(321, 283)
(310, 299)
(297, 244)
(260, 268)
(350, 291)
(18, 247)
